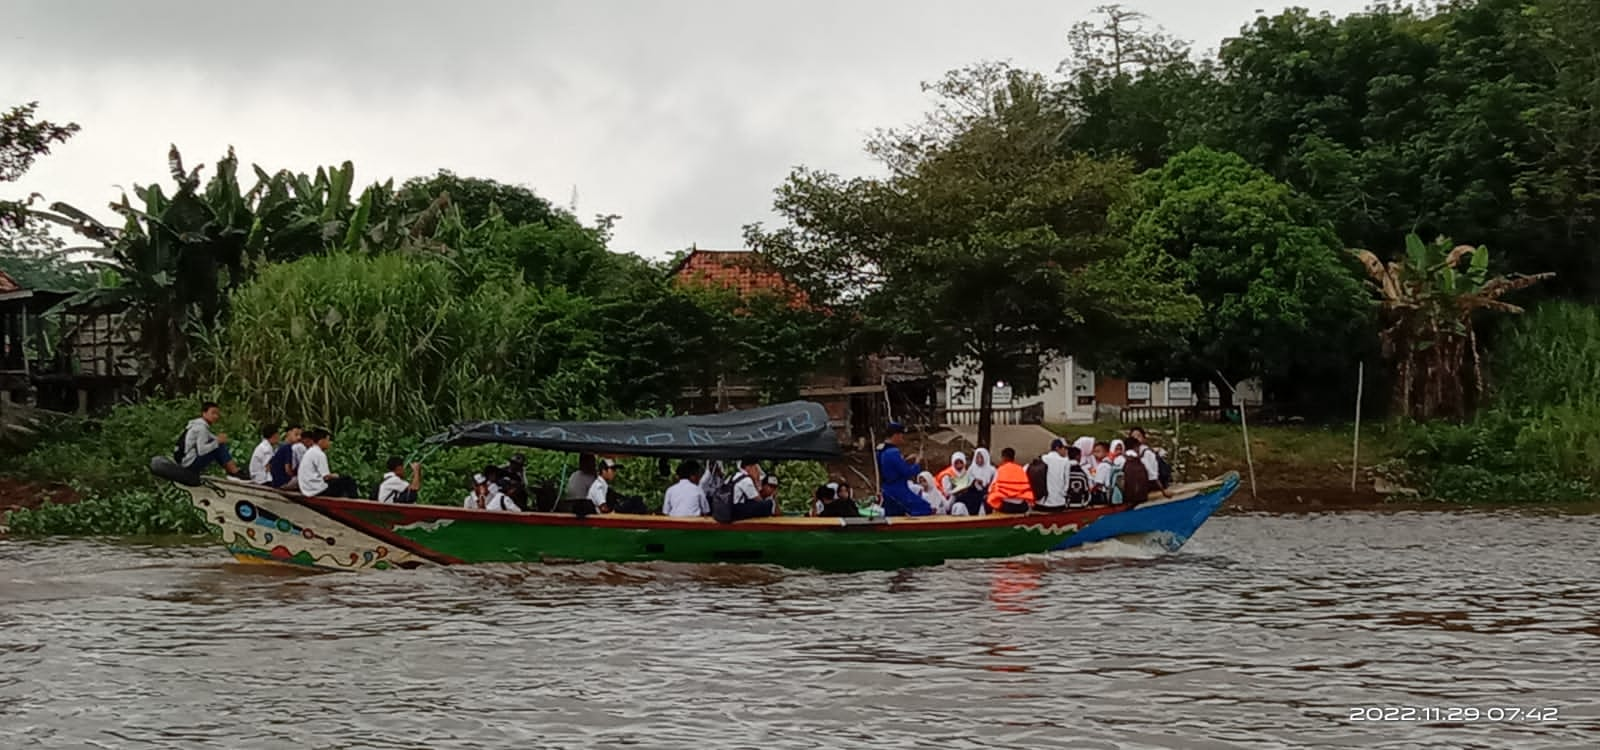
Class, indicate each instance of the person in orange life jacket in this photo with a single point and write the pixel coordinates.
(897, 474)
(1010, 492)
(958, 484)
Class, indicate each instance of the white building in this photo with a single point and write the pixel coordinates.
(1070, 393)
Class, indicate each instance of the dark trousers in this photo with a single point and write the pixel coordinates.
(754, 509)
(220, 457)
(973, 498)
(342, 487)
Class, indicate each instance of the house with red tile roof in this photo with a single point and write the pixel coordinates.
(743, 271)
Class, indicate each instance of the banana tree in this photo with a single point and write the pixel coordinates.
(1429, 299)
(175, 260)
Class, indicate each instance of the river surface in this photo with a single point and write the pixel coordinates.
(1265, 632)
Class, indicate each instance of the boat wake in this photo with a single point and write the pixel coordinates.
(1132, 547)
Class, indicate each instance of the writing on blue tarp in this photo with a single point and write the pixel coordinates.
(687, 434)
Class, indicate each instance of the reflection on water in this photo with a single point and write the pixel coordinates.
(1264, 633)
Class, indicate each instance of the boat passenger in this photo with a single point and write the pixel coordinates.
(751, 492)
(1100, 490)
(684, 499)
(394, 488)
(957, 483)
(599, 495)
(836, 502)
(484, 496)
(262, 455)
(982, 469)
(954, 477)
(1078, 484)
(580, 480)
(765, 504)
(283, 468)
(301, 447)
(514, 479)
(1117, 449)
(1010, 492)
(817, 501)
(1056, 464)
(199, 447)
(316, 478)
(1140, 474)
(928, 488)
(897, 473)
(1085, 446)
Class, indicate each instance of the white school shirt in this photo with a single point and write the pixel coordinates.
(312, 470)
(259, 458)
(393, 484)
(499, 501)
(598, 491)
(300, 453)
(1055, 479)
(1151, 465)
(744, 491)
(684, 500)
(1102, 473)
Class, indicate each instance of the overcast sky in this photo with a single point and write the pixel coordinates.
(681, 116)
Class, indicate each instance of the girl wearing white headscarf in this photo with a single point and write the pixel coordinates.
(1085, 446)
(1115, 456)
(982, 469)
(954, 478)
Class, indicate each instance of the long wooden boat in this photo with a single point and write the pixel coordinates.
(262, 525)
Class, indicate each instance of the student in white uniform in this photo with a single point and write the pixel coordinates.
(1056, 467)
(261, 457)
(315, 476)
(395, 488)
(485, 496)
(685, 499)
(601, 489)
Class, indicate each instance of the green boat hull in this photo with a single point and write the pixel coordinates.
(262, 525)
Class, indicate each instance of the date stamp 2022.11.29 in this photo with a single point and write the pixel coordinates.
(1451, 714)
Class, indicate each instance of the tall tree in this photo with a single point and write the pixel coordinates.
(1472, 118)
(1268, 271)
(985, 245)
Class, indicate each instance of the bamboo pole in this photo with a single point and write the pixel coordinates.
(1177, 446)
(1244, 424)
(1355, 460)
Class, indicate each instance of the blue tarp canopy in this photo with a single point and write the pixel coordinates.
(798, 430)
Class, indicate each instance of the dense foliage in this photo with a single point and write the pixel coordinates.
(1269, 273)
(985, 245)
(1147, 210)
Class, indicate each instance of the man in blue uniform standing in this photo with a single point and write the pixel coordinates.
(895, 472)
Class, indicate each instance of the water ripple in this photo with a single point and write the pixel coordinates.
(1265, 633)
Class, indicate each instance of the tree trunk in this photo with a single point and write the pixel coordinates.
(985, 408)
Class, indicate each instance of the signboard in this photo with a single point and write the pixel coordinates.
(1179, 392)
(1138, 391)
(1082, 382)
(1002, 394)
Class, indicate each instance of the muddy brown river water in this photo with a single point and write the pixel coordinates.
(1434, 629)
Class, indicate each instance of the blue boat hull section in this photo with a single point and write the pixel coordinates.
(1172, 523)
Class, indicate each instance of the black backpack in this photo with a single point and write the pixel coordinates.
(1077, 486)
(722, 498)
(1136, 484)
(1038, 478)
(1164, 472)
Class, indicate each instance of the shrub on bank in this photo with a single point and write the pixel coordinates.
(135, 512)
